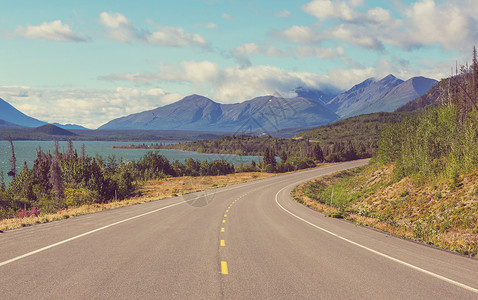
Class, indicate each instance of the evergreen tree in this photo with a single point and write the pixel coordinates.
(70, 151)
(54, 174)
(283, 156)
(318, 153)
(2, 181)
(269, 157)
(13, 160)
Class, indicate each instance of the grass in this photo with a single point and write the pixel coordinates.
(440, 213)
(150, 191)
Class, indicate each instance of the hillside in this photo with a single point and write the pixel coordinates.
(442, 214)
(430, 98)
(5, 124)
(359, 128)
(51, 129)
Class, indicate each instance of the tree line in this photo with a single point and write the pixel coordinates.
(247, 145)
(59, 180)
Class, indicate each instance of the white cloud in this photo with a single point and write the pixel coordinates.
(300, 34)
(120, 28)
(239, 83)
(325, 9)
(319, 52)
(54, 31)
(227, 17)
(252, 48)
(282, 14)
(378, 15)
(175, 37)
(451, 25)
(244, 51)
(350, 33)
(211, 26)
(113, 20)
(90, 108)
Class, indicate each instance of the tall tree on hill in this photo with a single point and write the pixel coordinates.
(283, 156)
(70, 152)
(269, 157)
(318, 154)
(2, 181)
(13, 160)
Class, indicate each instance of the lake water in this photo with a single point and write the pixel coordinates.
(26, 151)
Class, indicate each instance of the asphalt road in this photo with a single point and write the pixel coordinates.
(251, 241)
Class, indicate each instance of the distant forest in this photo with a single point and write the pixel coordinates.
(257, 146)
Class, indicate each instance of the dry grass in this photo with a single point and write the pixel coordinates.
(444, 214)
(150, 191)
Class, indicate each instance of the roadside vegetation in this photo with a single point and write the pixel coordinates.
(423, 181)
(63, 180)
(145, 192)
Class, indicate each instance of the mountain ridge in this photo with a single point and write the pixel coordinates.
(201, 113)
(384, 95)
(10, 114)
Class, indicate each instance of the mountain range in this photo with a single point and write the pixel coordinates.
(310, 108)
(200, 113)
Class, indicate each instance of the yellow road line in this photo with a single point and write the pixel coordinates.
(224, 268)
(223, 243)
(225, 216)
(222, 229)
(223, 221)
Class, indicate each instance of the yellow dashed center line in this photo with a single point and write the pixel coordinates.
(224, 268)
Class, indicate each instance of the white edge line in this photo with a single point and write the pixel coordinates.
(464, 286)
(84, 234)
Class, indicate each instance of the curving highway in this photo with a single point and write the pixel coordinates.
(251, 241)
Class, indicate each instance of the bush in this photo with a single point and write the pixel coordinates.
(299, 163)
(268, 168)
(78, 197)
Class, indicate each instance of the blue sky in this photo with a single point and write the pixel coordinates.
(87, 62)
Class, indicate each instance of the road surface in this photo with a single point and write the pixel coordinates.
(251, 242)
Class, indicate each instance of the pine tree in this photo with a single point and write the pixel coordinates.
(54, 174)
(2, 181)
(13, 160)
(283, 156)
(83, 152)
(318, 153)
(70, 151)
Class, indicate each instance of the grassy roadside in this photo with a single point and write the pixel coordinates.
(150, 191)
(444, 213)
